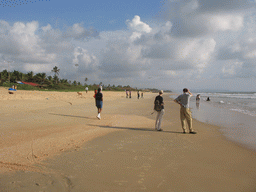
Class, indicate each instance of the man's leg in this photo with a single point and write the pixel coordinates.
(160, 118)
(189, 119)
(157, 120)
(99, 111)
(183, 118)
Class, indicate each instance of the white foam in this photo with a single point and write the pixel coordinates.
(244, 112)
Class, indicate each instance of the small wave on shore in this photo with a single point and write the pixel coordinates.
(234, 112)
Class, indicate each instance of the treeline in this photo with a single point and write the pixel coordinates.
(7, 79)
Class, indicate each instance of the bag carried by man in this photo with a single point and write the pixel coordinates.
(157, 105)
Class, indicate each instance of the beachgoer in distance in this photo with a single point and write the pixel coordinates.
(198, 97)
(185, 113)
(208, 99)
(159, 108)
(141, 95)
(86, 89)
(99, 102)
(130, 94)
(126, 91)
(197, 101)
(138, 93)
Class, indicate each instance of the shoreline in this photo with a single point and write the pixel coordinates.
(234, 126)
(124, 144)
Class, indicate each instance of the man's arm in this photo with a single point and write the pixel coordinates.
(177, 101)
(162, 101)
(190, 93)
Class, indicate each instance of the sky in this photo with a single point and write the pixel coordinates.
(167, 44)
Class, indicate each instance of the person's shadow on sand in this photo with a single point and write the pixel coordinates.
(123, 128)
(72, 116)
(133, 129)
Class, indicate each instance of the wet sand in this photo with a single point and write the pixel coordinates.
(57, 146)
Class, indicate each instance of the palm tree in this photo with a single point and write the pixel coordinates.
(16, 76)
(4, 75)
(86, 79)
(56, 73)
(30, 76)
(74, 82)
(40, 77)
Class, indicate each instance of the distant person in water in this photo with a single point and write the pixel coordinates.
(208, 99)
(198, 98)
(99, 102)
(197, 101)
(185, 113)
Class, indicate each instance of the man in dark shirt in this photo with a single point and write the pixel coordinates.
(160, 112)
(99, 102)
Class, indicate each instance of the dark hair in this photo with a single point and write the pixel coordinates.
(99, 90)
(185, 90)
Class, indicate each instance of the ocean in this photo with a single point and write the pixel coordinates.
(234, 112)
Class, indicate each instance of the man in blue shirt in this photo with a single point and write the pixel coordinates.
(185, 113)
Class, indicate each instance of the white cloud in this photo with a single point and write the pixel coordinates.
(137, 25)
(47, 28)
(193, 18)
(37, 68)
(231, 68)
(22, 43)
(77, 31)
(87, 63)
(224, 22)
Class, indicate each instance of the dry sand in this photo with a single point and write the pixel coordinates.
(52, 141)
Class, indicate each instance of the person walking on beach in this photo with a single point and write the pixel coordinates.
(159, 108)
(130, 94)
(126, 91)
(99, 102)
(138, 93)
(86, 89)
(185, 113)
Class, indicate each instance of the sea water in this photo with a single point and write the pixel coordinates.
(234, 112)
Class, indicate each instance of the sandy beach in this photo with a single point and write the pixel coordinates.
(52, 141)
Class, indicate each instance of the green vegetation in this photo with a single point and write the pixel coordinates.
(49, 83)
